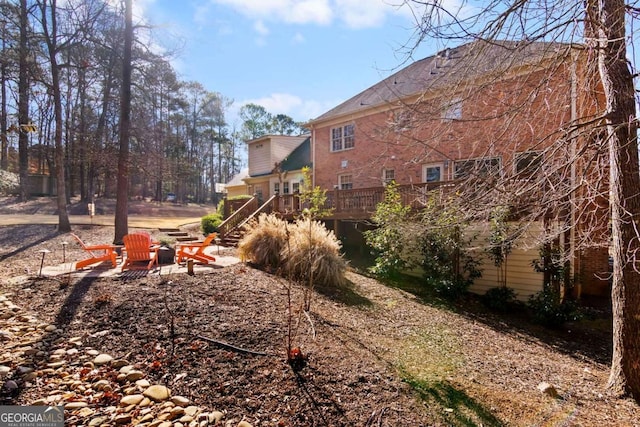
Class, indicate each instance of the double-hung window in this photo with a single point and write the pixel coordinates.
(285, 187)
(343, 137)
(527, 164)
(477, 167)
(345, 182)
(388, 175)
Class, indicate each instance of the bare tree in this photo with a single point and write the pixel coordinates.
(605, 133)
(23, 100)
(122, 201)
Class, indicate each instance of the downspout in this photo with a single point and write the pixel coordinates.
(572, 230)
(313, 156)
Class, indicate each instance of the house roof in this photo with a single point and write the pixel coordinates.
(238, 178)
(299, 157)
(450, 66)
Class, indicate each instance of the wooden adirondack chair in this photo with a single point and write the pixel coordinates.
(97, 254)
(195, 250)
(138, 248)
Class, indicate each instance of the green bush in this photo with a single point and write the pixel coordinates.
(449, 267)
(209, 223)
(499, 299)
(389, 241)
(548, 310)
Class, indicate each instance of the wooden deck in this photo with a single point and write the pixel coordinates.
(361, 203)
(352, 204)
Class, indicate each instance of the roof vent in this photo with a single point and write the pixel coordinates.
(444, 53)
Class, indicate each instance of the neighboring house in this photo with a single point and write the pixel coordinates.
(481, 109)
(275, 163)
(236, 186)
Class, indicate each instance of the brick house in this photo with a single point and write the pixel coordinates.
(502, 110)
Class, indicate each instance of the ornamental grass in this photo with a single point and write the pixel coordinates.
(313, 255)
(263, 241)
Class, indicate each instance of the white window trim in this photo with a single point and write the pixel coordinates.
(385, 179)
(342, 138)
(340, 183)
(433, 165)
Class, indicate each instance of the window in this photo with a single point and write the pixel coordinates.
(276, 188)
(296, 187)
(285, 187)
(388, 175)
(343, 138)
(452, 110)
(477, 167)
(345, 182)
(527, 164)
(433, 172)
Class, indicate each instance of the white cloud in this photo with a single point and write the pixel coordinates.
(353, 13)
(289, 11)
(292, 105)
(363, 13)
(298, 38)
(261, 28)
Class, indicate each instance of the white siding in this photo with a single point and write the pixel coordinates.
(521, 276)
(260, 157)
(265, 152)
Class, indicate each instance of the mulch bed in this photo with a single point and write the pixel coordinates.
(373, 355)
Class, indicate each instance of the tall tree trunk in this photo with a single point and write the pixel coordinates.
(51, 35)
(23, 103)
(4, 143)
(608, 21)
(122, 194)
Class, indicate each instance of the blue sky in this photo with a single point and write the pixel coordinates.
(297, 57)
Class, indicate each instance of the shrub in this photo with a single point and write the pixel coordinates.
(499, 299)
(447, 262)
(388, 240)
(550, 311)
(264, 240)
(209, 223)
(313, 255)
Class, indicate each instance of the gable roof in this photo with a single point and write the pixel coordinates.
(299, 157)
(238, 178)
(450, 66)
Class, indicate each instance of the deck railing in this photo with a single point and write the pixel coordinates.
(362, 202)
(237, 217)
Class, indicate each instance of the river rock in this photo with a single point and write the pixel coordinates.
(102, 359)
(132, 399)
(180, 401)
(157, 393)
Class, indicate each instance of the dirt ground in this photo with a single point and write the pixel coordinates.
(375, 355)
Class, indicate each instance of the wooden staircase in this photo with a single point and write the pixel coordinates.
(231, 229)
